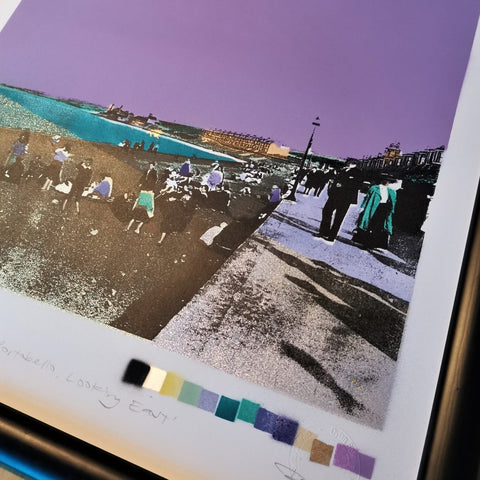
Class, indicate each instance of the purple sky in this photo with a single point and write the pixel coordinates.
(373, 71)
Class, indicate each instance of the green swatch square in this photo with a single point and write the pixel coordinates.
(248, 411)
(227, 408)
(190, 393)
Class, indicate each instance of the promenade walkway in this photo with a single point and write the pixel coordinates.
(321, 323)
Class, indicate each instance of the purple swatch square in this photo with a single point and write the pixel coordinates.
(347, 458)
(351, 459)
(285, 430)
(366, 466)
(208, 401)
(265, 420)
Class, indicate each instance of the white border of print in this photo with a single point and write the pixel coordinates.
(66, 371)
(7, 7)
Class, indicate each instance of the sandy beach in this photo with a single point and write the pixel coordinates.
(87, 263)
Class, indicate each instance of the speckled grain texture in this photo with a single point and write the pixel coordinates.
(301, 325)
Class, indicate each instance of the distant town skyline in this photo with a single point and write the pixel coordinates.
(374, 72)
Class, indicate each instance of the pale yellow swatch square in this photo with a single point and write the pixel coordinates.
(304, 439)
(172, 385)
(155, 379)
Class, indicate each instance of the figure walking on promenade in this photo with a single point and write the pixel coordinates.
(321, 179)
(310, 181)
(375, 220)
(342, 192)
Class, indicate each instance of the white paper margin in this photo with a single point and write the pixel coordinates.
(67, 371)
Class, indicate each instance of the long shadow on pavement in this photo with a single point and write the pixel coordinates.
(313, 367)
(293, 222)
(370, 312)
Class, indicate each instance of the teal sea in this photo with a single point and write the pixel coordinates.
(81, 122)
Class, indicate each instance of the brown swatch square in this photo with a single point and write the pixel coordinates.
(321, 452)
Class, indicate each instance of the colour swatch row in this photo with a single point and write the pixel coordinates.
(282, 429)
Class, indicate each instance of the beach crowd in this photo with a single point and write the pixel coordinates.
(175, 193)
(167, 195)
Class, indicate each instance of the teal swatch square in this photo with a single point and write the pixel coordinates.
(248, 411)
(227, 408)
(190, 393)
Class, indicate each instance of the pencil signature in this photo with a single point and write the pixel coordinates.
(288, 473)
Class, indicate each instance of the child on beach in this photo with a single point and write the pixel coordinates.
(143, 210)
(20, 147)
(54, 170)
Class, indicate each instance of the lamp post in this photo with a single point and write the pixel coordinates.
(291, 197)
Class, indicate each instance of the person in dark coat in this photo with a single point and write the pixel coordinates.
(342, 192)
(82, 181)
(310, 181)
(176, 214)
(149, 178)
(321, 178)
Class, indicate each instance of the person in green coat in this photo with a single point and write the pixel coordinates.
(374, 224)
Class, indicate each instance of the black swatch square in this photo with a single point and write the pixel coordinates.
(136, 372)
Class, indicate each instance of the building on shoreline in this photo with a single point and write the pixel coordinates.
(244, 142)
(119, 115)
(394, 160)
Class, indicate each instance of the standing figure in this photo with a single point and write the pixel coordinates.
(375, 220)
(322, 176)
(53, 171)
(342, 192)
(310, 181)
(82, 181)
(149, 178)
(143, 210)
(20, 147)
